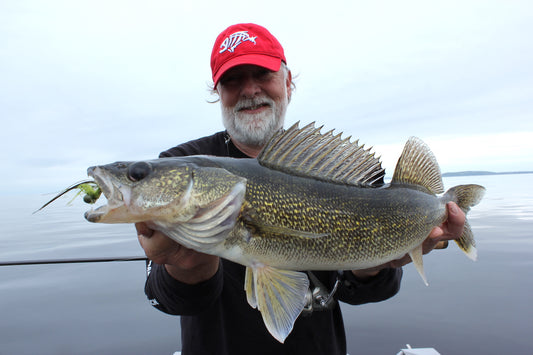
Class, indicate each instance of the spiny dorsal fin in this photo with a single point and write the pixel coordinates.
(417, 165)
(324, 156)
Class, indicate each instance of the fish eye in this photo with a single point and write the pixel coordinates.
(138, 171)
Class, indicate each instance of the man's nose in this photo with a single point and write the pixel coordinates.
(250, 87)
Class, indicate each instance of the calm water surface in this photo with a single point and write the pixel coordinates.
(481, 307)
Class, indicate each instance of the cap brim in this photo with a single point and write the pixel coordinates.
(265, 61)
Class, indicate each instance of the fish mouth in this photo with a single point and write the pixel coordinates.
(117, 197)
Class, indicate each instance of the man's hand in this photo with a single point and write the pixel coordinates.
(451, 229)
(183, 264)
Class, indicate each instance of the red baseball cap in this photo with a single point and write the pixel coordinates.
(245, 43)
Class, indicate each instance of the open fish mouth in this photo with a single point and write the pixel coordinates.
(103, 184)
(117, 196)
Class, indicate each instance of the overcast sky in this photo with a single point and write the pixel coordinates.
(92, 82)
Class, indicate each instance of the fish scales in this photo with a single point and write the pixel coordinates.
(364, 225)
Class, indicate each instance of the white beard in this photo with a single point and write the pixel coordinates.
(254, 129)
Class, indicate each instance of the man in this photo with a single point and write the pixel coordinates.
(253, 82)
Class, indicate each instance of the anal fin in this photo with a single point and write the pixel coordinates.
(279, 295)
(416, 256)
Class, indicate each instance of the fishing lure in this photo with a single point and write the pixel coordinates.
(91, 190)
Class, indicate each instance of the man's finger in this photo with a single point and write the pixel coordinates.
(456, 221)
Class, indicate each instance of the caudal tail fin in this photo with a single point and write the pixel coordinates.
(466, 196)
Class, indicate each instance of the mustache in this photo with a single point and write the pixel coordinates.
(253, 103)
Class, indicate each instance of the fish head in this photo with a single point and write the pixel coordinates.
(141, 190)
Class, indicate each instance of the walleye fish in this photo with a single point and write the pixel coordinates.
(308, 202)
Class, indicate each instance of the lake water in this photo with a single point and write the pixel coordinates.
(481, 307)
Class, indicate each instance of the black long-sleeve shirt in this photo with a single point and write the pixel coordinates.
(215, 315)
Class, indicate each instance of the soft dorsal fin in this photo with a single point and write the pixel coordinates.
(418, 166)
(324, 156)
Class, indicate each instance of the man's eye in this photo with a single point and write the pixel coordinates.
(263, 74)
(230, 80)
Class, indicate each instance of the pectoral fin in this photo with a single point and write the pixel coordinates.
(279, 295)
(416, 256)
(211, 224)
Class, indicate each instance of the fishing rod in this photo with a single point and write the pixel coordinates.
(72, 261)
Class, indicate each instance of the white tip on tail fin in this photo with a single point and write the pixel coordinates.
(279, 295)
(467, 243)
(466, 196)
(416, 256)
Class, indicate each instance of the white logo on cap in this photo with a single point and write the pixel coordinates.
(232, 41)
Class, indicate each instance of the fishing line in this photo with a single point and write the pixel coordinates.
(72, 261)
